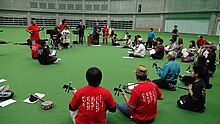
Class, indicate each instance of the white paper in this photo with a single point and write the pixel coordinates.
(7, 102)
(53, 52)
(96, 45)
(2, 80)
(127, 57)
(131, 85)
(119, 46)
(40, 95)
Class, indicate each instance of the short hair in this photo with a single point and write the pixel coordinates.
(42, 42)
(63, 21)
(201, 60)
(160, 40)
(200, 36)
(129, 36)
(115, 34)
(175, 26)
(142, 78)
(94, 76)
(151, 29)
(172, 54)
(200, 70)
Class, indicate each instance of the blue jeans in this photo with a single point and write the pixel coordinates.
(123, 107)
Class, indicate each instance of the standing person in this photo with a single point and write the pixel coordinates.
(142, 105)
(34, 30)
(105, 34)
(44, 55)
(175, 33)
(81, 29)
(151, 33)
(201, 41)
(195, 99)
(168, 73)
(65, 37)
(62, 25)
(90, 103)
(96, 31)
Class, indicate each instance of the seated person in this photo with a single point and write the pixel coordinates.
(195, 99)
(34, 50)
(44, 55)
(140, 51)
(201, 60)
(149, 43)
(127, 42)
(142, 105)
(159, 51)
(65, 37)
(90, 104)
(211, 59)
(168, 73)
(188, 55)
(179, 48)
(55, 36)
(135, 44)
(115, 40)
(170, 47)
(201, 41)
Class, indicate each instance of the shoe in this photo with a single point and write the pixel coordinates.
(151, 57)
(209, 86)
(59, 59)
(172, 87)
(56, 61)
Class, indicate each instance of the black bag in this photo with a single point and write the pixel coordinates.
(5, 93)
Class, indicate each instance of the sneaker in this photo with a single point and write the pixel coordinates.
(59, 59)
(56, 61)
(151, 57)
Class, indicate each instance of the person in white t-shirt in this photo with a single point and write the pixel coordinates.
(140, 51)
(66, 37)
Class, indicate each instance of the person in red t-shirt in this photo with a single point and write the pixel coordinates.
(34, 50)
(34, 29)
(63, 25)
(142, 106)
(201, 41)
(90, 103)
(105, 34)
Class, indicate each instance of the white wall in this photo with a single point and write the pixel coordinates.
(196, 26)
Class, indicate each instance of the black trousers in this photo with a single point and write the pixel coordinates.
(164, 84)
(156, 56)
(81, 38)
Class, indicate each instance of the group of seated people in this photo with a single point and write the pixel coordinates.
(91, 103)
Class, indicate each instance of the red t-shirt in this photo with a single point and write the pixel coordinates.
(35, 35)
(62, 27)
(34, 50)
(144, 97)
(105, 32)
(200, 42)
(92, 104)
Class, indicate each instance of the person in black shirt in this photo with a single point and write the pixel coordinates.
(81, 29)
(44, 55)
(175, 33)
(96, 31)
(195, 99)
(211, 59)
(201, 60)
(115, 40)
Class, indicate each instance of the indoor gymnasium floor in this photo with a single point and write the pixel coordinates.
(25, 76)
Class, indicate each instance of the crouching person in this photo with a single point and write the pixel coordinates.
(90, 103)
(44, 55)
(195, 99)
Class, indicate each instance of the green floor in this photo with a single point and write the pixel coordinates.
(25, 76)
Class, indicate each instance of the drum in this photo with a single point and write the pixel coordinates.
(89, 39)
(46, 105)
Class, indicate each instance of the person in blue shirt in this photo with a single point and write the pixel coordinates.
(150, 39)
(151, 33)
(168, 73)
